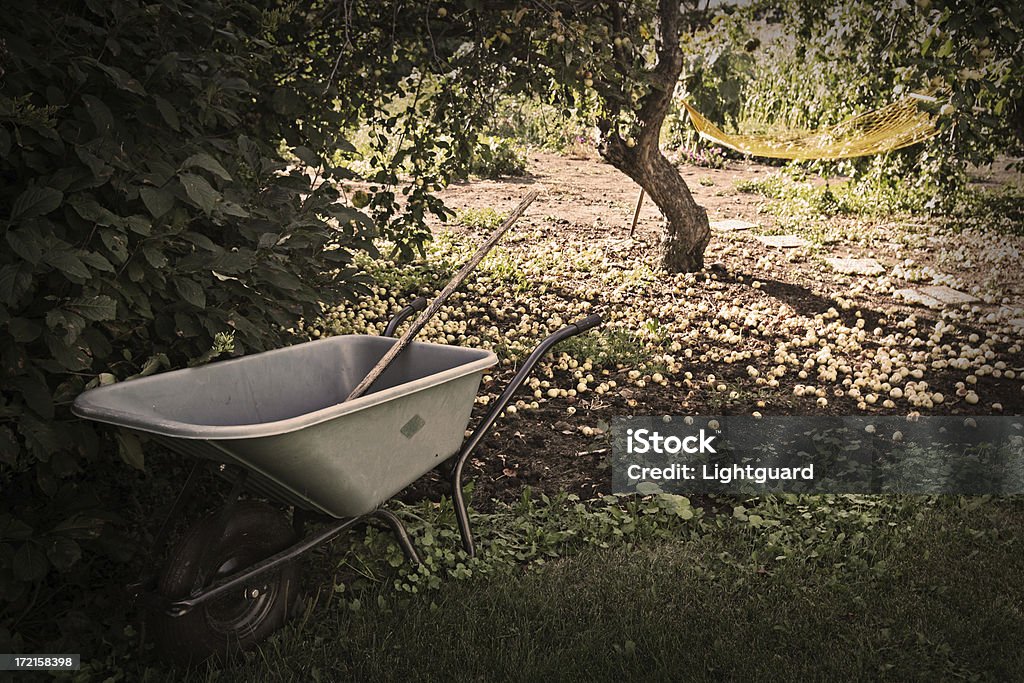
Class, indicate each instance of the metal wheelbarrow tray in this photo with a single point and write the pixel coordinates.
(277, 424)
(280, 415)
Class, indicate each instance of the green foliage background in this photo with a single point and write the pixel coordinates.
(779, 65)
(148, 221)
(172, 189)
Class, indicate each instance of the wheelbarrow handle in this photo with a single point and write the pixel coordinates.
(417, 305)
(570, 330)
(589, 323)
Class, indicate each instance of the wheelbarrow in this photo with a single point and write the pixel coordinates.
(276, 424)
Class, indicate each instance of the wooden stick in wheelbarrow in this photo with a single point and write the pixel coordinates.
(434, 307)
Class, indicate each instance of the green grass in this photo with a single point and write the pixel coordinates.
(614, 345)
(792, 196)
(481, 219)
(845, 590)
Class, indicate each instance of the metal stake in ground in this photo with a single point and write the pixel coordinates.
(434, 307)
(636, 214)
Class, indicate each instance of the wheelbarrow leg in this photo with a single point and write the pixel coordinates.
(461, 514)
(400, 533)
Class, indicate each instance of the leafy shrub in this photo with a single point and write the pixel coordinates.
(497, 157)
(148, 221)
(715, 73)
(538, 124)
(874, 193)
(705, 157)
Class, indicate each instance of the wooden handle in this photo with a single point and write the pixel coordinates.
(435, 306)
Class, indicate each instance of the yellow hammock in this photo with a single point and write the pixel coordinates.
(900, 124)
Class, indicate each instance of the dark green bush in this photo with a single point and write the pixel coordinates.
(148, 220)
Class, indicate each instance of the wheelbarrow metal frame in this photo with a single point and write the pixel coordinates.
(143, 590)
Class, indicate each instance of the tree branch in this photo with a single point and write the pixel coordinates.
(655, 104)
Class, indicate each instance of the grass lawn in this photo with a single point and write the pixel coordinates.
(934, 592)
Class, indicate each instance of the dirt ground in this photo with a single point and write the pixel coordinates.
(586, 201)
(594, 197)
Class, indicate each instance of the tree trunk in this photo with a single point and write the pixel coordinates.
(687, 232)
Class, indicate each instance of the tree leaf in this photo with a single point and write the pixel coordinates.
(200, 191)
(154, 256)
(232, 209)
(24, 330)
(282, 279)
(131, 450)
(308, 156)
(30, 563)
(122, 79)
(345, 214)
(232, 262)
(14, 529)
(117, 243)
(191, 292)
(40, 436)
(97, 261)
(140, 225)
(67, 262)
(80, 526)
(8, 447)
(201, 241)
(72, 323)
(62, 552)
(26, 245)
(286, 101)
(152, 364)
(15, 281)
(100, 169)
(36, 201)
(100, 114)
(95, 308)
(88, 208)
(36, 394)
(168, 112)
(158, 201)
(71, 356)
(206, 162)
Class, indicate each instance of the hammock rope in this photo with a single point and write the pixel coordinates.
(894, 126)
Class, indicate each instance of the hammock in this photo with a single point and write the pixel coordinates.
(900, 124)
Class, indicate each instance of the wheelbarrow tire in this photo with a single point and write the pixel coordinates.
(232, 623)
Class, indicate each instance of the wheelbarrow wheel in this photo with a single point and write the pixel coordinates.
(237, 621)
